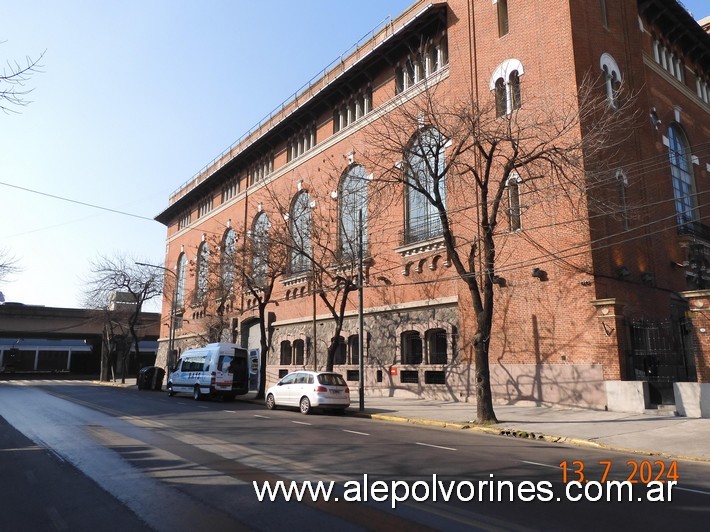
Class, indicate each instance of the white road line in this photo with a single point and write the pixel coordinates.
(692, 491)
(356, 432)
(301, 423)
(260, 416)
(181, 403)
(539, 464)
(231, 411)
(435, 446)
(205, 407)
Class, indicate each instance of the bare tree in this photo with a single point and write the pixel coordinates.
(461, 162)
(243, 263)
(263, 260)
(8, 265)
(322, 239)
(13, 79)
(120, 287)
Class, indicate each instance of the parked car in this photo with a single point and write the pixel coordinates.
(310, 389)
(150, 378)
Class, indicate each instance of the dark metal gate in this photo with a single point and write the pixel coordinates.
(660, 356)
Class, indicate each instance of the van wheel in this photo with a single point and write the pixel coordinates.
(197, 393)
(270, 402)
(170, 389)
(305, 405)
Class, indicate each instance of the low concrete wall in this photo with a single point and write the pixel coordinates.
(692, 399)
(627, 396)
(578, 385)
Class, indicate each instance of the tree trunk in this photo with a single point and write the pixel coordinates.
(484, 396)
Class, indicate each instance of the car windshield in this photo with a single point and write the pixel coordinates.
(331, 379)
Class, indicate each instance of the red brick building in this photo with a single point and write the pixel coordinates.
(594, 307)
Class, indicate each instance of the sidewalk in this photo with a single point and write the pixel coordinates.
(678, 437)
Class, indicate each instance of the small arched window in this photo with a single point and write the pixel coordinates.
(299, 352)
(682, 175)
(354, 348)
(412, 352)
(437, 346)
(286, 357)
(341, 351)
(505, 83)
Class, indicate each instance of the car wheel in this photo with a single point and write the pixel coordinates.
(197, 393)
(170, 389)
(305, 405)
(270, 402)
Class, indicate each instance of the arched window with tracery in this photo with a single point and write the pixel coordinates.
(260, 248)
(426, 185)
(682, 175)
(352, 195)
(300, 220)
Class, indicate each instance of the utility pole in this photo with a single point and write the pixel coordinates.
(361, 335)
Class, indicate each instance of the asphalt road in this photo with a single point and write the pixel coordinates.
(171, 463)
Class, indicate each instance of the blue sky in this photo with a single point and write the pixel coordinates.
(135, 98)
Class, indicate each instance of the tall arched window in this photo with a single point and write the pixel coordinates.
(426, 185)
(353, 200)
(180, 280)
(260, 248)
(682, 174)
(514, 202)
(203, 256)
(229, 249)
(300, 226)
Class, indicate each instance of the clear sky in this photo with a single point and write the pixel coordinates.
(134, 99)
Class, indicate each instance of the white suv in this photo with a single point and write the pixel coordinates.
(310, 389)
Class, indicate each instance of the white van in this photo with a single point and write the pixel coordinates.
(219, 369)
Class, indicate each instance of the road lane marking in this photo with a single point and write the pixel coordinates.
(539, 464)
(356, 432)
(436, 446)
(301, 423)
(260, 416)
(180, 403)
(205, 407)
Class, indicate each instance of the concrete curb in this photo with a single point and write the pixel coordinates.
(532, 436)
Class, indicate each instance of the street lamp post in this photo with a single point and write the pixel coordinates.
(173, 302)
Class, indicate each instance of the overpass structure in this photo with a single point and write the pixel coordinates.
(39, 338)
